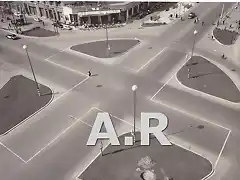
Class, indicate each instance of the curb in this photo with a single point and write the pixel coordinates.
(101, 60)
(30, 116)
(203, 93)
(24, 36)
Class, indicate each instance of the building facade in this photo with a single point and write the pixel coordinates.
(82, 12)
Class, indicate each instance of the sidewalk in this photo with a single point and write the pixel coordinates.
(232, 52)
(164, 16)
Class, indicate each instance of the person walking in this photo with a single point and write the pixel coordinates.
(202, 23)
(89, 73)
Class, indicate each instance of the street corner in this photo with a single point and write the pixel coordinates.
(201, 75)
(106, 48)
(39, 32)
(139, 161)
(24, 97)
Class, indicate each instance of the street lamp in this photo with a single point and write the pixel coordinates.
(195, 34)
(134, 89)
(108, 47)
(38, 90)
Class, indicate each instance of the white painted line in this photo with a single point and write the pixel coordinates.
(64, 67)
(219, 65)
(208, 95)
(210, 174)
(151, 60)
(190, 115)
(224, 144)
(30, 116)
(170, 77)
(118, 118)
(84, 169)
(79, 119)
(70, 89)
(13, 153)
(194, 152)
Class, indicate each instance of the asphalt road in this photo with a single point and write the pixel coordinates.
(48, 151)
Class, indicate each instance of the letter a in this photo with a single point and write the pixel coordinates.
(103, 119)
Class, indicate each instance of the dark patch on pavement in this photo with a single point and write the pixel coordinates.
(99, 48)
(40, 32)
(121, 162)
(22, 101)
(225, 37)
(208, 78)
(200, 127)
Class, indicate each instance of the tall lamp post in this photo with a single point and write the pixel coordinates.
(108, 48)
(194, 40)
(107, 45)
(134, 89)
(38, 89)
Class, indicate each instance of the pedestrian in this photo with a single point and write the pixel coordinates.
(202, 23)
(223, 56)
(217, 23)
(89, 73)
(212, 37)
(43, 23)
(223, 21)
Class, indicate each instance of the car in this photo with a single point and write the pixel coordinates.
(37, 19)
(67, 27)
(57, 24)
(191, 15)
(12, 36)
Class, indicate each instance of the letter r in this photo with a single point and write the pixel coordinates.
(157, 131)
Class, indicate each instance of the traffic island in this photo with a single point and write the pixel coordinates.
(225, 36)
(19, 100)
(106, 49)
(202, 75)
(147, 163)
(40, 32)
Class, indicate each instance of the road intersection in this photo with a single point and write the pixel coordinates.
(52, 143)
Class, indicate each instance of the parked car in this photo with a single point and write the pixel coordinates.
(67, 27)
(12, 36)
(191, 15)
(37, 19)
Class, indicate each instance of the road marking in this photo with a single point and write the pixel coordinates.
(13, 152)
(186, 60)
(79, 119)
(206, 177)
(118, 118)
(190, 115)
(151, 59)
(218, 65)
(91, 161)
(70, 89)
(224, 144)
(64, 67)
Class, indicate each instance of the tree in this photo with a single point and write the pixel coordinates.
(145, 165)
